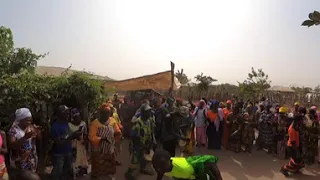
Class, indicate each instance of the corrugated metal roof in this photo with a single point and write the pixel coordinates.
(280, 89)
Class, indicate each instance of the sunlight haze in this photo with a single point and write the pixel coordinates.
(125, 39)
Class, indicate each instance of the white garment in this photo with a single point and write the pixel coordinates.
(22, 113)
(200, 117)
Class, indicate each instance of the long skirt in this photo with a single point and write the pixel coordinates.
(266, 136)
(225, 135)
(103, 164)
(295, 163)
(201, 136)
(188, 148)
(214, 137)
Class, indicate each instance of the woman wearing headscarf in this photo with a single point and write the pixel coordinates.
(215, 117)
(80, 164)
(187, 130)
(296, 161)
(200, 118)
(311, 136)
(102, 139)
(22, 141)
(266, 134)
(226, 112)
(235, 121)
(282, 131)
(115, 122)
(248, 133)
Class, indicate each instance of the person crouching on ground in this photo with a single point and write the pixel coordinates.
(179, 168)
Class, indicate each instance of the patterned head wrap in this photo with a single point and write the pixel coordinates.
(22, 113)
(105, 107)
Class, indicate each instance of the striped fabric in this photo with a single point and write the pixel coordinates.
(294, 166)
(106, 146)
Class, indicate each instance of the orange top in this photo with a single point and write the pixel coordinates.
(226, 113)
(93, 130)
(212, 116)
(293, 136)
(117, 128)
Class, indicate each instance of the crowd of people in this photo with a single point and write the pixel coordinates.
(156, 130)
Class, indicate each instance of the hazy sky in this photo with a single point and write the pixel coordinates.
(124, 39)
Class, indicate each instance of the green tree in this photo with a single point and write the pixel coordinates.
(14, 60)
(314, 19)
(21, 87)
(255, 85)
(182, 77)
(204, 82)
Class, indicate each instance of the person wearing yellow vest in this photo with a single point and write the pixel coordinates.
(186, 168)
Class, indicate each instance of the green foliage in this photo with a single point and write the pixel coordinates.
(255, 85)
(314, 19)
(182, 77)
(21, 87)
(14, 60)
(204, 82)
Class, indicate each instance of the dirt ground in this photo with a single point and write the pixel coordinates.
(235, 166)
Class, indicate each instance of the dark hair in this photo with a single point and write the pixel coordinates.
(160, 157)
(205, 100)
(302, 110)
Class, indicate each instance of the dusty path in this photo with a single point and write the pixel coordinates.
(241, 166)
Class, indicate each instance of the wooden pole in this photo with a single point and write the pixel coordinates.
(172, 79)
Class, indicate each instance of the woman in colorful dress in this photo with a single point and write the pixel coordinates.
(226, 112)
(235, 121)
(282, 131)
(22, 141)
(296, 161)
(115, 122)
(3, 150)
(101, 136)
(214, 117)
(266, 133)
(187, 130)
(200, 119)
(80, 164)
(248, 133)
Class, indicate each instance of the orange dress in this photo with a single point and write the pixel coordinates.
(226, 113)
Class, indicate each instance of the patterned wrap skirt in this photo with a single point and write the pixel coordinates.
(103, 161)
